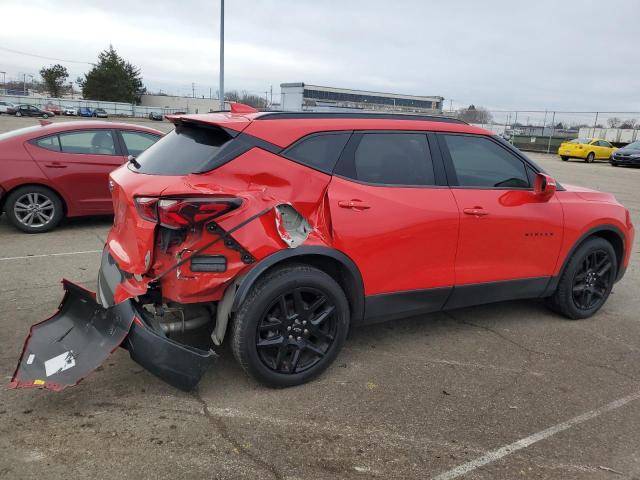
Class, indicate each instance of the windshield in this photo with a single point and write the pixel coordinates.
(634, 145)
(183, 151)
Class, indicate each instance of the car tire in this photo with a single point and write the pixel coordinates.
(590, 157)
(44, 115)
(291, 326)
(564, 159)
(587, 280)
(46, 218)
(18, 114)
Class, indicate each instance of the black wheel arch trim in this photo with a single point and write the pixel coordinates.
(553, 282)
(357, 297)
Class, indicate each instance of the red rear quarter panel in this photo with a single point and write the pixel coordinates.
(17, 167)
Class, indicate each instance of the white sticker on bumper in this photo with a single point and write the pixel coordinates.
(58, 364)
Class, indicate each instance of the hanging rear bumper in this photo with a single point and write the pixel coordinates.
(62, 350)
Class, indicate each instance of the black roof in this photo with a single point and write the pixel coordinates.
(358, 115)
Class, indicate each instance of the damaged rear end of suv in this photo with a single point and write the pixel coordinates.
(196, 216)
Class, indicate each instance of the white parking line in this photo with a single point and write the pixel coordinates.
(2, 259)
(497, 454)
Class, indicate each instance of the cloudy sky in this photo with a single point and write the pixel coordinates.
(572, 55)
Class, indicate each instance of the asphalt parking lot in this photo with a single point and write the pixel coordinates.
(500, 391)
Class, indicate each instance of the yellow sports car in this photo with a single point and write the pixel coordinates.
(588, 149)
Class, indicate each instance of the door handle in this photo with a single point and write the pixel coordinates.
(354, 204)
(55, 165)
(476, 211)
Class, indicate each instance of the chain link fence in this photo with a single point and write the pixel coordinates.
(545, 130)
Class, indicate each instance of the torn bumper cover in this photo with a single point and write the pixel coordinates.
(61, 351)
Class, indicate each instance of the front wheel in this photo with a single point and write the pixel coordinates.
(18, 114)
(564, 159)
(590, 158)
(587, 280)
(291, 326)
(44, 115)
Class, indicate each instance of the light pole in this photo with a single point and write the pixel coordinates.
(4, 82)
(221, 99)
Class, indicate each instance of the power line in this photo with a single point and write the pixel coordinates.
(44, 57)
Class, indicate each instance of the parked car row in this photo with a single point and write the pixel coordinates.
(50, 110)
(591, 149)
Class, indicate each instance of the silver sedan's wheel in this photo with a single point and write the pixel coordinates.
(34, 209)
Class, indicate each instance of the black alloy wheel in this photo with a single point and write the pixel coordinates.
(586, 281)
(592, 280)
(291, 326)
(296, 331)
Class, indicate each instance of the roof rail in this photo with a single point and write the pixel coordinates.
(355, 115)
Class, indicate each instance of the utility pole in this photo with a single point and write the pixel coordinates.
(266, 99)
(221, 55)
(4, 82)
(193, 90)
(451, 105)
(271, 90)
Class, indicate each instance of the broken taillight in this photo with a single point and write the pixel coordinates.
(177, 213)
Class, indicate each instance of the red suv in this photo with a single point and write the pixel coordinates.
(283, 230)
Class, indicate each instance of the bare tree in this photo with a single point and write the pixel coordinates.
(474, 114)
(631, 123)
(613, 122)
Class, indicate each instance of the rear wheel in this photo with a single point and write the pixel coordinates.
(291, 326)
(586, 281)
(34, 209)
(590, 157)
(18, 113)
(564, 159)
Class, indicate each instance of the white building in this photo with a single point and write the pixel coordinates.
(296, 97)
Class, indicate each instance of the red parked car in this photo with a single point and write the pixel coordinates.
(54, 170)
(283, 230)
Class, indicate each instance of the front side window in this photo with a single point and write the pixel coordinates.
(91, 142)
(138, 142)
(393, 159)
(319, 151)
(481, 163)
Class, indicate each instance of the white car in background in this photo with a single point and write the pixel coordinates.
(6, 105)
(68, 110)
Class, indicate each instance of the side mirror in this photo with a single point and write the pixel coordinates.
(544, 186)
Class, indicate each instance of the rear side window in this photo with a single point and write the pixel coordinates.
(138, 142)
(319, 151)
(479, 162)
(185, 150)
(90, 142)
(393, 159)
(49, 143)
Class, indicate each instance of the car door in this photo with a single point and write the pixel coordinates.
(79, 163)
(509, 238)
(605, 149)
(392, 214)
